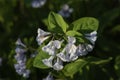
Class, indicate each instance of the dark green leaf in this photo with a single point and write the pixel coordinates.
(85, 24)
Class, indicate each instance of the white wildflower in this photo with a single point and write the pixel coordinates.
(58, 65)
(48, 62)
(52, 46)
(81, 50)
(92, 37)
(42, 36)
(89, 47)
(69, 52)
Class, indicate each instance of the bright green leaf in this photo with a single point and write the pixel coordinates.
(56, 23)
(38, 60)
(73, 33)
(85, 24)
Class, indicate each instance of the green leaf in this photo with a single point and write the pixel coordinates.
(72, 68)
(56, 23)
(38, 59)
(85, 24)
(73, 33)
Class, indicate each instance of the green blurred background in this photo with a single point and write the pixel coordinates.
(19, 20)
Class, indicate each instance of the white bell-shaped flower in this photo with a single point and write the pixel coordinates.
(48, 62)
(19, 43)
(71, 40)
(58, 65)
(42, 36)
(81, 50)
(62, 56)
(69, 52)
(52, 46)
(92, 37)
(49, 48)
(89, 47)
(57, 43)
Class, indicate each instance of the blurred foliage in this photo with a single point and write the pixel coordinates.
(19, 20)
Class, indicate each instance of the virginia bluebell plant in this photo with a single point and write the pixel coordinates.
(69, 53)
(20, 57)
(60, 45)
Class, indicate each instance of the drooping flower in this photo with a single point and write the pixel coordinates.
(58, 65)
(69, 52)
(42, 36)
(89, 47)
(52, 46)
(81, 50)
(19, 43)
(65, 11)
(92, 37)
(49, 77)
(48, 62)
(38, 3)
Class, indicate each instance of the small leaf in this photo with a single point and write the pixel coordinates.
(73, 33)
(56, 23)
(38, 59)
(85, 24)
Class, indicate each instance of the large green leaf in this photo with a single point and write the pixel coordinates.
(85, 24)
(38, 59)
(77, 66)
(71, 68)
(56, 23)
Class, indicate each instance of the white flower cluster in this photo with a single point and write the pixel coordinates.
(0, 61)
(20, 57)
(69, 53)
(65, 11)
(38, 3)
